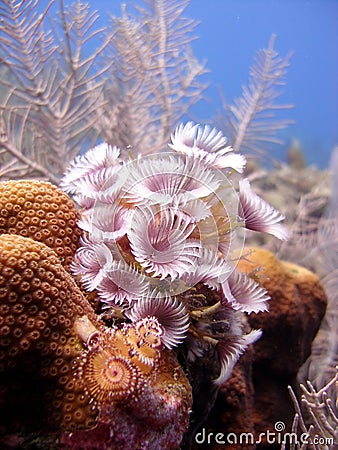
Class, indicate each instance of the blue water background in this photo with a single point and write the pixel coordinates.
(229, 34)
(231, 31)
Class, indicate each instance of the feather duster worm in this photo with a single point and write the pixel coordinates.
(168, 224)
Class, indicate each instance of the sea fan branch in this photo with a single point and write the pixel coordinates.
(321, 412)
(250, 120)
(49, 77)
(155, 75)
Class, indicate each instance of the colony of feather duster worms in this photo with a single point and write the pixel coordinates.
(153, 241)
(159, 235)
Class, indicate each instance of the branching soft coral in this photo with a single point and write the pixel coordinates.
(250, 121)
(58, 93)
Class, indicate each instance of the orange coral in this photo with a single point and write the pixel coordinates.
(39, 304)
(297, 306)
(61, 368)
(41, 211)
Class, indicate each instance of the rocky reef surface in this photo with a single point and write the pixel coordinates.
(256, 398)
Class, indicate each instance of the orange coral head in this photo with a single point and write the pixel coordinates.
(39, 305)
(109, 377)
(40, 211)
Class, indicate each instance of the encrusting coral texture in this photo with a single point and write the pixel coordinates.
(43, 212)
(256, 395)
(61, 368)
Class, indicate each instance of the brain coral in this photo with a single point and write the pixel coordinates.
(41, 211)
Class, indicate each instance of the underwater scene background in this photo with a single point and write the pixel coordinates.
(228, 34)
(168, 224)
